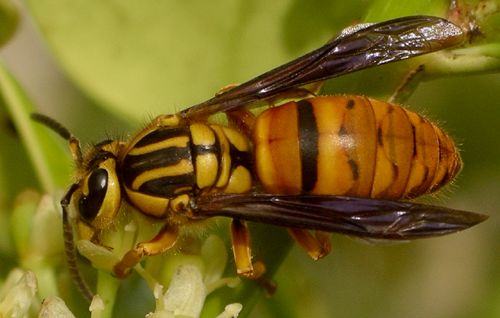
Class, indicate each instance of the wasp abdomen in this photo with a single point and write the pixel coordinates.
(351, 145)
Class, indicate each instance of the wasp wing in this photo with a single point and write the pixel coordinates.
(361, 217)
(354, 49)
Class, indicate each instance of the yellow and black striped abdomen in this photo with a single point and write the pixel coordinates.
(351, 145)
(165, 166)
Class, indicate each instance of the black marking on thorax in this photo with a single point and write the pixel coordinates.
(240, 158)
(164, 186)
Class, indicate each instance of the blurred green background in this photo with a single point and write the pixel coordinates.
(116, 64)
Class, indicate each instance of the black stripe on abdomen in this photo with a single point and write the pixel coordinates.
(308, 144)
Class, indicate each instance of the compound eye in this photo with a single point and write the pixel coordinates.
(89, 205)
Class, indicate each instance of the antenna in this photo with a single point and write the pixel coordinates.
(74, 143)
(69, 243)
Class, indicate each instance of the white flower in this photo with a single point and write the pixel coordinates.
(54, 307)
(231, 311)
(185, 295)
(18, 293)
(96, 307)
(191, 284)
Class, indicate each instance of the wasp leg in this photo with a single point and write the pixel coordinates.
(325, 240)
(242, 251)
(163, 241)
(226, 88)
(295, 93)
(243, 120)
(317, 245)
(312, 89)
(407, 85)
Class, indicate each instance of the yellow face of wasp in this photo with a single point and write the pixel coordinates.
(98, 199)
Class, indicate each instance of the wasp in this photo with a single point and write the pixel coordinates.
(313, 164)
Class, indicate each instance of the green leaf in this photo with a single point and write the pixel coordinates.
(160, 56)
(380, 10)
(9, 20)
(48, 158)
(153, 57)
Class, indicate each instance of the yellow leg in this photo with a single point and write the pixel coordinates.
(226, 88)
(317, 246)
(240, 236)
(243, 120)
(163, 241)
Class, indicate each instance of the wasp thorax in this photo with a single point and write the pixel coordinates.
(166, 165)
